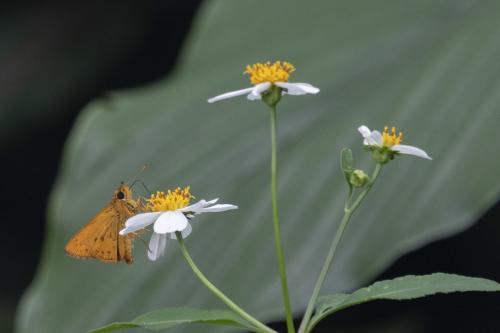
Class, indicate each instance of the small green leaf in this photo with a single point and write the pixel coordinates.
(169, 317)
(346, 163)
(402, 288)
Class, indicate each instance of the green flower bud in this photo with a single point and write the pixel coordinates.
(358, 178)
(382, 155)
(272, 96)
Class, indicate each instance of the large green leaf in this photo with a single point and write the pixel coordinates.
(402, 288)
(430, 67)
(170, 317)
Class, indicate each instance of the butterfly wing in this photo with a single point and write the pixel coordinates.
(125, 248)
(100, 239)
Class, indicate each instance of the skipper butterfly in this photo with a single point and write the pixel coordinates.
(100, 238)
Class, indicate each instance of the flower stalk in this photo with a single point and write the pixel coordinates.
(269, 83)
(276, 224)
(259, 327)
(349, 210)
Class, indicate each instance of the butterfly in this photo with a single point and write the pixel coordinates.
(99, 239)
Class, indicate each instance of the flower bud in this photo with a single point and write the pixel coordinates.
(272, 96)
(382, 155)
(358, 178)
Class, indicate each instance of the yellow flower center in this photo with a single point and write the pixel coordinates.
(389, 140)
(267, 72)
(172, 200)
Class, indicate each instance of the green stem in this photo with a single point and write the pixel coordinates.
(276, 226)
(348, 211)
(349, 198)
(260, 327)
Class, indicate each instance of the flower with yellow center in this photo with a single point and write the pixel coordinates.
(172, 200)
(276, 72)
(390, 142)
(170, 212)
(265, 75)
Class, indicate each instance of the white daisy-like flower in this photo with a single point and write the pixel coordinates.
(265, 75)
(170, 212)
(389, 141)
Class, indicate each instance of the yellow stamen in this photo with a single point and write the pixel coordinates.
(389, 140)
(267, 72)
(172, 200)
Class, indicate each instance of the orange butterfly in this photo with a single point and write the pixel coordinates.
(99, 239)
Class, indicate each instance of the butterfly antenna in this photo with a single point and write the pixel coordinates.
(144, 167)
(143, 185)
(146, 188)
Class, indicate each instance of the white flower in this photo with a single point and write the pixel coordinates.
(390, 141)
(263, 77)
(170, 214)
(255, 93)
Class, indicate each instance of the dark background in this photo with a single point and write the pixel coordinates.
(56, 57)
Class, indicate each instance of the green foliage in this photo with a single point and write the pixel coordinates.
(402, 288)
(170, 317)
(425, 66)
(346, 164)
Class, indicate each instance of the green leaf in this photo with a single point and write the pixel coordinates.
(385, 67)
(346, 163)
(170, 317)
(401, 288)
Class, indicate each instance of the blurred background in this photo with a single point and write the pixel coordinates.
(55, 58)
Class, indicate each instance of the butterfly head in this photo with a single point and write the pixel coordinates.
(124, 194)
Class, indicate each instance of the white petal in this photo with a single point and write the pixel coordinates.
(257, 90)
(366, 134)
(253, 97)
(230, 94)
(170, 222)
(211, 202)
(375, 138)
(186, 232)
(365, 131)
(411, 150)
(200, 204)
(204, 206)
(157, 246)
(139, 221)
(216, 208)
(297, 88)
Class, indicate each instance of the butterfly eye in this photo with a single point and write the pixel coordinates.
(120, 195)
